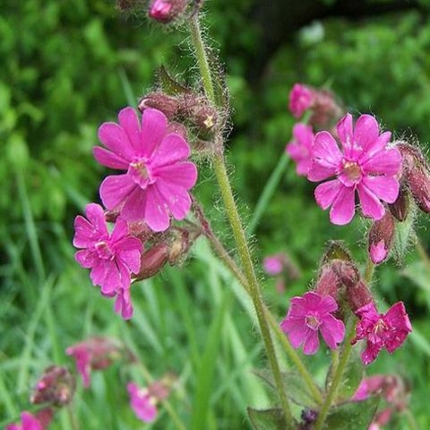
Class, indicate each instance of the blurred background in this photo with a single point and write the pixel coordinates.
(67, 66)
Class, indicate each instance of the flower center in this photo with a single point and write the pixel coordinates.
(380, 328)
(140, 173)
(104, 251)
(352, 170)
(312, 322)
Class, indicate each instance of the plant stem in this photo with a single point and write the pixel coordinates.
(337, 379)
(236, 225)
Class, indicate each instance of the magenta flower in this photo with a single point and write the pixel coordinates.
(274, 264)
(95, 353)
(381, 331)
(365, 163)
(300, 148)
(308, 315)
(301, 99)
(157, 177)
(28, 422)
(112, 257)
(142, 403)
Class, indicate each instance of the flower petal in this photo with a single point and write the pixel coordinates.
(343, 208)
(366, 131)
(385, 188)
(311, 343)
(114, 190)
(371, 206)
(326, 151)
(182, 174)
(129, 122)
(172, 149)
(386, 162)
(109, 159)
(345, 133)
(156, 214)
(115, 139)
(154, 127)
(326, 193)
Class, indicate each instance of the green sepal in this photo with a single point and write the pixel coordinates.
(267, 419)
(168, 84)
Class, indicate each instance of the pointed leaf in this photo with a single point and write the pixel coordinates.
(353, 415)
(268, 419)
(336, 251)
(168, 84)
(403, 234)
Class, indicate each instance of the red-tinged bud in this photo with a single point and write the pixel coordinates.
(56, 386)
(381, 237)
(358, 295)
(347, 272)
(199, 112)
(153, 260)
(325, 109)
(328, 282)
(44, 416)
(416, 175)
(178, 128)
(400, 209)
(167, 104)
(167, 10)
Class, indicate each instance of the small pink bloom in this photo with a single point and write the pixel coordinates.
(308, 315)
(273, 265)
(301, 99)
(112, 257)
(96, 353)
(381, 331)
(158, 175)
(160, 10)
(300, 148)
(378, 252)
(142, 403)
(28, 422)
(365, 163)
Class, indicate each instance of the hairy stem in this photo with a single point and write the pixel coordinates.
(236, 225)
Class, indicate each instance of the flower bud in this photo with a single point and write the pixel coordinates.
(358, 295)
(416, 174)
(167, 104)
(328, 282)
(166, 10)
(199, 112)
(400, 208)
(56, 386)
(381, 238)
(153, 260)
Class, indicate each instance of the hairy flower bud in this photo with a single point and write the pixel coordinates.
(166, 10)
(153, 260)
(400, 209)
(381, 238)
(199, 112)
(167, 104)
(416, 175)
(328, 282)
(358, 295)
(56, 386)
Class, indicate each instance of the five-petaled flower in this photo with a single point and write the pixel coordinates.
(112, 257)
(309, 315)
(300, 148)
(381, 331)
(142, 403)
(158, 175)
(364, 163)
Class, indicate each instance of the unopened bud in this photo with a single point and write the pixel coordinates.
(358, 295)
(56, 386)
(381, 238)
(166, 10)
(328, 282)
(400, 208)
(167, 104)
(416, 173)
(347, 272)
(153, 260)
(199, 112)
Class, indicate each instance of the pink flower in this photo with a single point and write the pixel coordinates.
(112, 257)
(160, 10)
(308, 315)
(142, 403)
(157, 177)
(274, 264)
(300, 148)
(364, 164)
(381, 331)
(28, 422)
(301, 99)
(96, 353)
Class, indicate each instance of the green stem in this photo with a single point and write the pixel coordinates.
(368, 273)
(236, 226)
(232, 266)
(337, 379)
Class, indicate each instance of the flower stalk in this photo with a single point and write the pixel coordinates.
(236, 225)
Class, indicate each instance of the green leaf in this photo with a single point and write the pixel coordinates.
(353, 415)
(168, 84)
(419, 273)
(295, 387)
(336, 251)
(403, 233)
(267, 419)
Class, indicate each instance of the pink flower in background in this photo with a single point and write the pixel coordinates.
(157, 177)
(28, 422)
(112, 257)
(309, 315)
(96, 353)
(300, 148)
(301, 99)
(274, 264)
(160, 9)
(381, 331)
(365, 163)
(142, 403)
